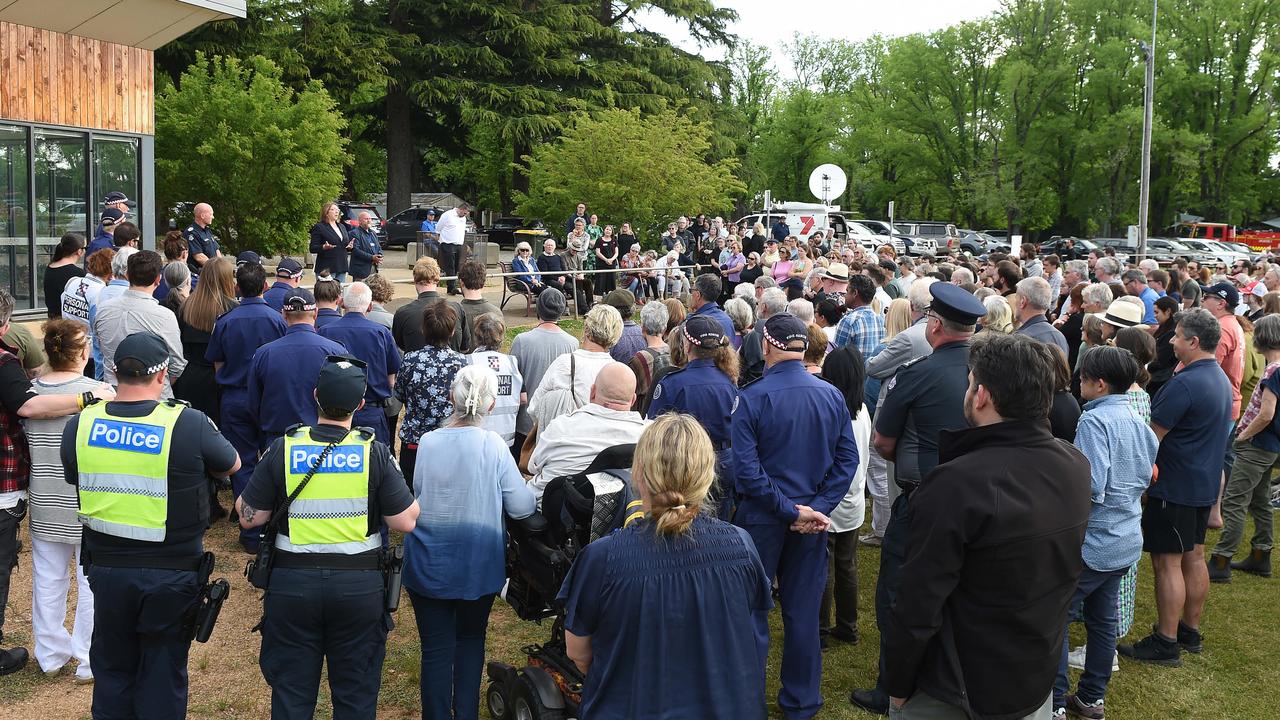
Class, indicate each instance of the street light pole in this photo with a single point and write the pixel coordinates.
(1144, 187)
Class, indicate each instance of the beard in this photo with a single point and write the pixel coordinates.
(968, 409)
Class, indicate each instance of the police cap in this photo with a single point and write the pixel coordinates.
(341, 385)
(289, 268)
(248, 256)
(141, 354)
(951, 302)
(299, 300)
(111, 216)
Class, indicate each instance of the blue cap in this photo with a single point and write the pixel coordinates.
(786, 332)
(248, 256)
(704, 331)
(953, 303)
(1223, 291)
(299, 300)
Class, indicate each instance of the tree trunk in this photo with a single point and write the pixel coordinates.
(519, 170)
(400, 155)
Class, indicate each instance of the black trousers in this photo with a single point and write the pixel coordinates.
(408, 458)
(450, 259)
(10, 519)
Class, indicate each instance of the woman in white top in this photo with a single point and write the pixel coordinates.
(846, 370)
(55, 530)
(487, 333)
(566, 386)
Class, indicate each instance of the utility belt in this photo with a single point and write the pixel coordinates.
(722, 447)
(377, 402)
(212, 594)
(328, 561)
(390, 561)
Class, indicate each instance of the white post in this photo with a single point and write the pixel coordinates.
(1144, 186)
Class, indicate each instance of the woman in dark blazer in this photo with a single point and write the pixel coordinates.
(330, 243)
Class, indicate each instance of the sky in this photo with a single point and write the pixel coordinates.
(773, 22)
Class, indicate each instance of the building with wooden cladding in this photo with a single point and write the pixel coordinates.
(77, 120)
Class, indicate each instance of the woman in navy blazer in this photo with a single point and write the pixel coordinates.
(330, 243)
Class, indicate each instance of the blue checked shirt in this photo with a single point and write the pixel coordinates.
(863, 327)
(1121, 449)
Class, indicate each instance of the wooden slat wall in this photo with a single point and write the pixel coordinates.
(59, 79)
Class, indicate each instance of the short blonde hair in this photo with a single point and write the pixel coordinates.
(999, 317)
(602, 325)
(426, 271)
(676, 463)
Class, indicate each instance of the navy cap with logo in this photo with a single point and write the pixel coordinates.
(289, 268)
(1223, 291)
(299, 300)
(341, 384)
(951, 302)
(141, 354)
(248, 256)
(786, 332)
(111, 216)
(704, 332)
(115, 196)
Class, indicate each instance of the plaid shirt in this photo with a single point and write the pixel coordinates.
(15, 457)
(863, 327)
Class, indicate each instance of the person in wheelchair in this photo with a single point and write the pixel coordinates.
(665, 602)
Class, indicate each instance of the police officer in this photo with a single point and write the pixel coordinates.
(703, 389)
(794, 457)
(202, 246)
(372, 344)
(288, 275)
(237, 335)
(140, 465)
(925, 397)
(281, 376)
(328, 551)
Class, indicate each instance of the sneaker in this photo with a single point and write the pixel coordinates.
(1075, 659)
(1079, 708)
(1060, 714)
(1154, 649)
(871, 540)
(1190, 640)
(84, 679)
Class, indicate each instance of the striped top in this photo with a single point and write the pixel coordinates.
(53, 501)
(502, 419)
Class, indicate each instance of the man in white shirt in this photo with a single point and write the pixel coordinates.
(452, 227)
(569, 444)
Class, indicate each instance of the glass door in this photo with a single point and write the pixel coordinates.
(61, 178)
(15, 206)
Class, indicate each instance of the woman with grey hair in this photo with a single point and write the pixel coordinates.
(566, 386)
(488, 333)
(454, 560)
(178, 278)
(740, 312)
(654, 357)
(802, 309)
(1095, 298)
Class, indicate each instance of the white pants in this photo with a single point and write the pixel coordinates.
(674, 284)
(878, 488)
(50, 581)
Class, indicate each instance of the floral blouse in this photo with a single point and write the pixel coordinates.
(423, 385)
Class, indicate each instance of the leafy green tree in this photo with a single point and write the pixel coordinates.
(266, 157)
(627, 167)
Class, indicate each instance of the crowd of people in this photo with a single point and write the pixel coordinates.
(1023, 428)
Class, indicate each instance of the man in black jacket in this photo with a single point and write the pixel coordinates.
(993, 551)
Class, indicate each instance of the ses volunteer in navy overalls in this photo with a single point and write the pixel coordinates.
(140, 467)
(794, 455)
(325, 594)
(703, 390)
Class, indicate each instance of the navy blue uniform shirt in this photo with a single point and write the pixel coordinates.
(368, 341)
(237, 335)
(924, 398)
(792, 445)
(324, 316)
(199, 240)
(274, 296)
(283, 377)
(713, 310)
(700, 390)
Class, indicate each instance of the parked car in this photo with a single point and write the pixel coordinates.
(1216, 252)
(507, 231)
(402, 228)
(980, 243)
(904, 242)
(940, 234)
(1058, 246)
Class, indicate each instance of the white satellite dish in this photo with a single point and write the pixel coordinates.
(827, 182)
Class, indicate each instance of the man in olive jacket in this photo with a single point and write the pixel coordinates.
(993, 551)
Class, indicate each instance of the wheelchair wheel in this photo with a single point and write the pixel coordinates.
(526, 705)
(498, 702)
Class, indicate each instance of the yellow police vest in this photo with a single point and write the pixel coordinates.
(331, 514)
(124, 471)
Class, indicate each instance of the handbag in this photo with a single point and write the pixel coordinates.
(531, 440)
(258, 570)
